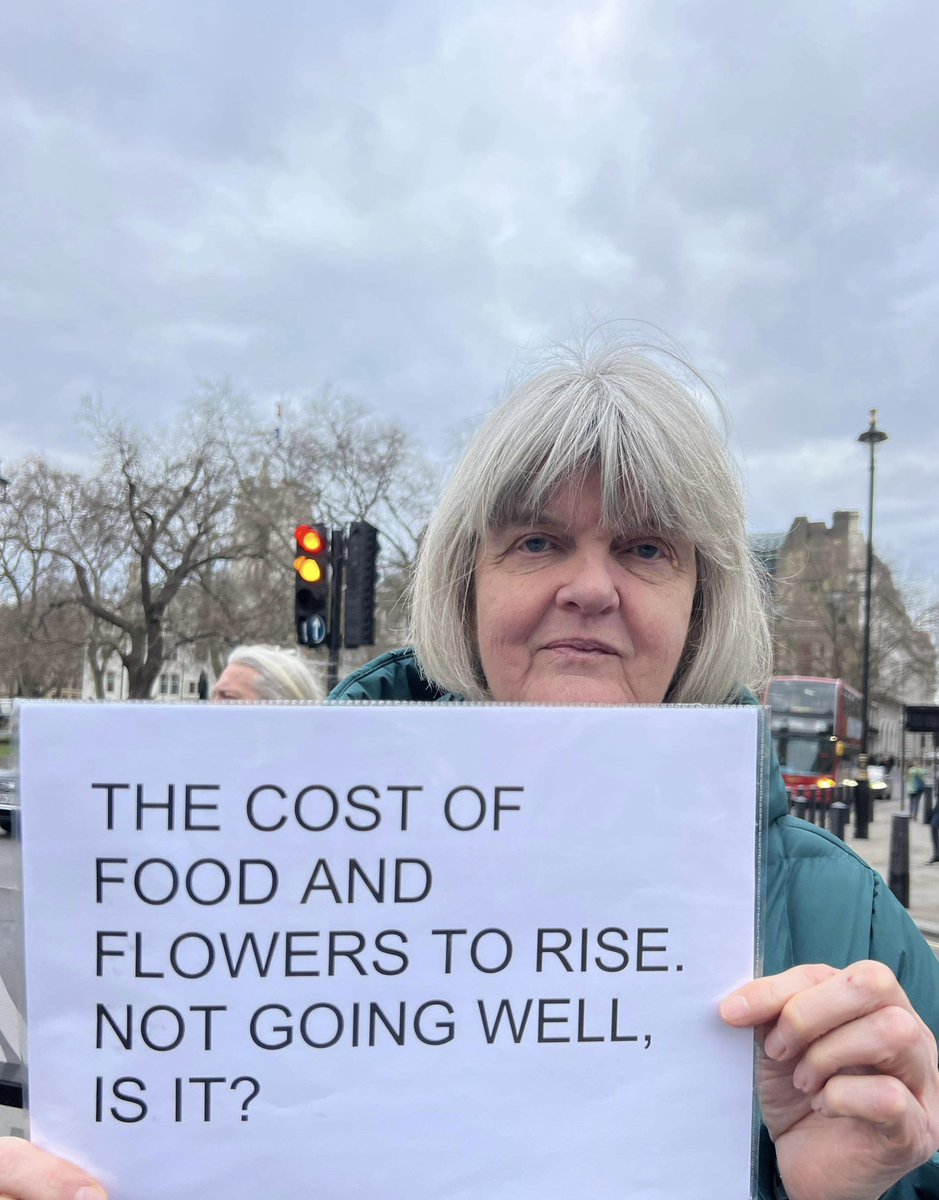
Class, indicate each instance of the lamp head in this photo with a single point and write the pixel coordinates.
(872, 435)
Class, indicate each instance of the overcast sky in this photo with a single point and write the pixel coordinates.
(400, 198)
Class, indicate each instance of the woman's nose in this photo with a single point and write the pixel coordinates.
(589, 583)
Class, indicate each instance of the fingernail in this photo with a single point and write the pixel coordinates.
(734, 1008)
(774, 1046)
(89, 1192)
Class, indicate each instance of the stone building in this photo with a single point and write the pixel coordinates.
(178, 680)
(817, 581)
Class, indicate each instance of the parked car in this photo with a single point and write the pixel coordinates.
(880, 782)
(8, 802)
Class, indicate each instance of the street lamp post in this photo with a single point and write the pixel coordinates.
(862, 811)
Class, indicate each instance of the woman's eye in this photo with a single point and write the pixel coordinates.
(535, 543)
(648, 550)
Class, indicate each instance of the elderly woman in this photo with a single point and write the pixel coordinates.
(591, 548)
(266, 673)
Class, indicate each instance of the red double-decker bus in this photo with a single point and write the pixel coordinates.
(816, 729)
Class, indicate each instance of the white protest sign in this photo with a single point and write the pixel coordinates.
(390, 951)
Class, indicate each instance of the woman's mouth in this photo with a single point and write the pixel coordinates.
(579, 646)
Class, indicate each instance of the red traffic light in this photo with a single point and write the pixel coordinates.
(309, 539)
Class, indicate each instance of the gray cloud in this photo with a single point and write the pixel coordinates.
(402, 198)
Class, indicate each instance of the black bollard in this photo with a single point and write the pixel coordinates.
(899, 880)
(862, 807)
(813, 805)
(833, 797)
(925, 801)
(839, 818)
(798, 807)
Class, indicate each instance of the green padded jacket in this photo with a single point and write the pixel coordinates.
(823, 902)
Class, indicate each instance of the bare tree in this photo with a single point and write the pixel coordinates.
(155, 513)
(329, 460)
(43, 631)
(186, 535)
(904, 636)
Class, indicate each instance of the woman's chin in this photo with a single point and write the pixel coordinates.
(578, 689)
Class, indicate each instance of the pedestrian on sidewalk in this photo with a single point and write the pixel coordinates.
(915, 786)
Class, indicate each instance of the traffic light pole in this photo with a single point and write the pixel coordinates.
(334, 640)
(326, 613)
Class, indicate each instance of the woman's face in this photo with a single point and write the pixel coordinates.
(568, 613)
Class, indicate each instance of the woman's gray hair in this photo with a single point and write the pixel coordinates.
(633, 414)
(282, 674)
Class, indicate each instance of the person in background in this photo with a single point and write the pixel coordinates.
(915, 786)
(933, 816)
(266, 673)
(934, 834)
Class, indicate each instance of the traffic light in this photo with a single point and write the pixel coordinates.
(362, 550)
(311, 584)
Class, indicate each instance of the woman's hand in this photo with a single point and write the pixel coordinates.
(28, 1173)
(848, 1079)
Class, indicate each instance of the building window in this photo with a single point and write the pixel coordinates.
(164, 685)
(191, 687)
(174, 685)
(109, 682)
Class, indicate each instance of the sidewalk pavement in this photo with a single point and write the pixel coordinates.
(924, 876)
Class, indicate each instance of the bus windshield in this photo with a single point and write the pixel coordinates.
(805, 755)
